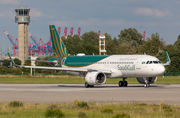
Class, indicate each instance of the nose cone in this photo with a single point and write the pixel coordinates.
(160, 70)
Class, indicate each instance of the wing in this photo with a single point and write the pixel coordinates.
(43, 61)
(69, 69)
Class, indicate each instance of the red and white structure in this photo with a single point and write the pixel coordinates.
(65, 32)
(144, 35)
(102, 44)
(79, 31)
(71, 31)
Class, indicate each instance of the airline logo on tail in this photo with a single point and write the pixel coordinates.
(59, 48)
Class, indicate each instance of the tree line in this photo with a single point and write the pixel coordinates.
(129, 41)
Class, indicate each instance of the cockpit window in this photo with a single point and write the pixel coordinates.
(155, 62)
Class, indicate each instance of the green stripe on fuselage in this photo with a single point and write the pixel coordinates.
(80, 61)
(52, 59)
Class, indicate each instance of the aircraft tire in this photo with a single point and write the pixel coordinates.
(87, 85)
(125, 83)
(91, 86)
(121, 83)
(146, 85)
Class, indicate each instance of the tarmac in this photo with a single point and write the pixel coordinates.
(61, 93)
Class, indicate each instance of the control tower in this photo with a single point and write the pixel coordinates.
(22, 18)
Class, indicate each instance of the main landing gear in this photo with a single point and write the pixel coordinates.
(87, 85)
(123, 83)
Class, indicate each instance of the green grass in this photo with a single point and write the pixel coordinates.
(71, 110)
(79, 80)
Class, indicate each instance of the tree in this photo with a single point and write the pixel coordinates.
(174, 66)
(17, 61)
(74, 44)
(111, 46)
(152, 46)
(27, 63)
(174, 54)
(130, 38)
(6, 63)
(38, 63)
(91, 42)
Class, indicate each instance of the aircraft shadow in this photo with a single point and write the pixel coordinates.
(81, 86)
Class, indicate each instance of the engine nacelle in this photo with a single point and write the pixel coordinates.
(151, 80)
(95, 78)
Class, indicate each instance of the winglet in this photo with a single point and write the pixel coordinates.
(10, 58)
(13, 63)
(168, 59)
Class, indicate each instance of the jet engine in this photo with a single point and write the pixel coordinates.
(95, 78)
(150, 80)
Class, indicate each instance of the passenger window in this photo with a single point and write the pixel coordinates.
(147, 62)
(150, 62)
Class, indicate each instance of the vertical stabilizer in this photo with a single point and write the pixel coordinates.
(59, 48)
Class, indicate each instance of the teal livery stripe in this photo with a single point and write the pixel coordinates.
(52, 59)
(81, 61)
(167, 57)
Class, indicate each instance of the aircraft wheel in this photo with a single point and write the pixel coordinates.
(87, 85)
(91, 86)
(125, 83)
(146, 85)
(121, 83)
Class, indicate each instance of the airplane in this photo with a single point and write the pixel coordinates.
(96, 68)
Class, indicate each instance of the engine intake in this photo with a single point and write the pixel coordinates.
(95, 78)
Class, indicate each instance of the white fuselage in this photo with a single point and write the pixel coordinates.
(128, 66)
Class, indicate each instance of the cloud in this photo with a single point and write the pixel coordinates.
(2, 15)
(112, 22)
(36, 13)
(152, 12)
(88, 22)
(9, 1)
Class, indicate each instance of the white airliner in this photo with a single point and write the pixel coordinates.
(96, 68)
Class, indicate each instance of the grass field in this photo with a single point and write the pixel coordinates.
(79, 80)
(89, 110)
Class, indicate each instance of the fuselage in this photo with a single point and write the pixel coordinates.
(119, 65)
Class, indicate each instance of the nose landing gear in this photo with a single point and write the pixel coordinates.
(147, 82)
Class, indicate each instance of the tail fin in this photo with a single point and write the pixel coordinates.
(168, 59)
(59, 48)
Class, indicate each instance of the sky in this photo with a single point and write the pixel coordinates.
(108, 16)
